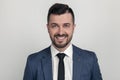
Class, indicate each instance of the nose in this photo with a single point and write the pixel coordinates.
(61, 30)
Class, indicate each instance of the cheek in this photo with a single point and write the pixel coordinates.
(52, 33)
(70, 32)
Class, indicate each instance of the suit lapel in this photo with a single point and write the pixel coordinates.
(47, 65)
(76, 64)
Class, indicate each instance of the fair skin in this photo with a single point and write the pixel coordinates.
(60, 29)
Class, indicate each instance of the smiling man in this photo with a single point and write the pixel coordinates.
(60, 28)
(62, 60)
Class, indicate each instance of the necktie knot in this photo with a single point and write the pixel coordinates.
(61, 56)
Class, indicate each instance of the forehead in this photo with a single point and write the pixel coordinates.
(63, 18)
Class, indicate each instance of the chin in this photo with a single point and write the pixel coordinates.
(61, 45)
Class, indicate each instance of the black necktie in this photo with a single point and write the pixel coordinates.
(61, 71)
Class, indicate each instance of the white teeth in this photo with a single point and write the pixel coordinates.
(60, 38)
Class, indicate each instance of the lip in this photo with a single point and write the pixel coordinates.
(60, 38)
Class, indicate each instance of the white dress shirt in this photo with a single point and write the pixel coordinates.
(68, 61)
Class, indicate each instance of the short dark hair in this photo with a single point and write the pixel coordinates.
(59, 9)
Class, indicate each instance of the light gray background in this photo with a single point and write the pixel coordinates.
(23, 31)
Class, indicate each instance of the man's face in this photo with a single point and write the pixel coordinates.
(61, 28)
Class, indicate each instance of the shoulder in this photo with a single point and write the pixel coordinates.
(83, 52)
(39, 55)
(86, 56)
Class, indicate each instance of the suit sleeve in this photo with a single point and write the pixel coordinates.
(28, 71)
(96, 74)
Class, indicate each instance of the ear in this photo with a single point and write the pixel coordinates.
(74, 25)
(47, 27)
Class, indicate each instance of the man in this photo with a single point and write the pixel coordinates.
(62, 60)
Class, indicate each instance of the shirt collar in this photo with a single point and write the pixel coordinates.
(68, 51)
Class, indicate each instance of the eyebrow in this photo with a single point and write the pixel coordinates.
(53, 23)
(63, 23)
(67, 23)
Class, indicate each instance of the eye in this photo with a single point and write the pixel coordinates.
(66, 25)
(54, 25)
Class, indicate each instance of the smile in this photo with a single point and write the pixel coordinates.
(60, 38)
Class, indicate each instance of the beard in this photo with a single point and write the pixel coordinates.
(60, 44)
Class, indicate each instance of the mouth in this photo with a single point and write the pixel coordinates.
(60, 38)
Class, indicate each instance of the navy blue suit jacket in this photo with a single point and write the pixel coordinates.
(85, 65)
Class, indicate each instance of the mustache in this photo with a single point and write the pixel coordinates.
(61, 35)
